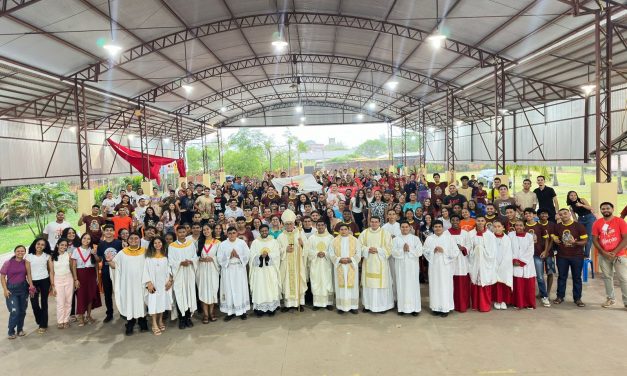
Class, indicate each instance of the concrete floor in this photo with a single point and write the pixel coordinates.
(561, 340)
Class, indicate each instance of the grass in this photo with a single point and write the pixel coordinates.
(14, 235)
(568, 179)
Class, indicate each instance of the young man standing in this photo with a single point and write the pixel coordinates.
(233, 255)
(437, 187)
(320, 267)
(93, 223)
(441, 251)
(547, 199)
(376, 278)
(204, 205)
(540, 237)
(571, 238)
(465, 190)
(345, 254)
(52, 231)
(549, 255)
(108, 245)
(504, 201)
(491, 216)
(183, 260)
(493, 193)
(108, 206)
(265, 274)
(461, 278)
(406, 250)
(526, 198)
(453, 198)
(609, 235)
(233, 211)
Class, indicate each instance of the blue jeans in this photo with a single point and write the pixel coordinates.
(539, 264)
(576, 266)
(17, 303)
(587, 220)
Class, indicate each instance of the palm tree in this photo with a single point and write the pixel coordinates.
(37, 202)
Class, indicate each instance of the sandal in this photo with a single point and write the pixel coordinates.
(81, 321)
(213, 318)
(42, 330)
(60, 326)
(21, 333)
(156, 331)
(12, 336)
(579, 303)
(66, 325)
(162, 327)
(91, 320)
(205, 319)
(558, 301)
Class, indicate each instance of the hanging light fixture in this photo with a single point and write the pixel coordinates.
(112, 48)
(503, 111)
(302, 118)
(431, 129)
(436, 39)
(392, 84)
(360, 116)
(242, 120)
(588, 89)
(223, 109)
(298, 109)
(458, 122)
(372, 106)
(278, 39)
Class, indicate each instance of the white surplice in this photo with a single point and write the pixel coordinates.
(234, 297)
(481, 258)
(394, 229)
(184, 276)
(265, 278)
(293, 268)
(157, 271)
(522, 249)
(208, 273)
(127, 283)
(407, 271)
(441, 267)
(503, 261)
(320, 269)
(376, 278)
(460, 265)
(346, 276)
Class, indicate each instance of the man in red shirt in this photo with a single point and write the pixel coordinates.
(437, 187)
(609, 236)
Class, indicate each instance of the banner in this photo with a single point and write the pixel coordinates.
(305, 183)
(148, 164)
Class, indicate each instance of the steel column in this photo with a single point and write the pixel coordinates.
(140, 113)
(449, 128)
(586, 130)
(220, 155)
(390, 145)
(423, 141)
(499, 117)
(603, 40)
(81, 134)
(205, 159)
(404, 143)
(472, 148)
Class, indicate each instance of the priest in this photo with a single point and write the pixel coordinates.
(293, 267)
(184, 262)
(376, 278)
(265, 273)
(320, 267)
(481, 266)
(128, 269)
(441, 251)
(461, 279)
(406, 250)
(345, 254)
(233, 255)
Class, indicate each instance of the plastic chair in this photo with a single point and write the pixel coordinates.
(588, 263)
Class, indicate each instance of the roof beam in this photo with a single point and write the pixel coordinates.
(407, 101)
(92, 72)
(10, 6)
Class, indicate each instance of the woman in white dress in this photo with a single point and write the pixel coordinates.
(208, 273)
(158, 280)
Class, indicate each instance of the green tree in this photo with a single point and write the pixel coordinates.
(336, 146)
(372, 148)
(37, 201)
(194, 159)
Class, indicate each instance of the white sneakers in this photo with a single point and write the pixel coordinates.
(500, 305)
(545, 302)
(608, 303)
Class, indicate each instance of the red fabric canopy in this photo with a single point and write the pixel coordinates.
(141, 161)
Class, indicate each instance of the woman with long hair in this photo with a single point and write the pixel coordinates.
(158, 281)
(330, 220)
(62, 282)
(445, 218)
(358, 206)
(218, 233)
(150, 217)
(73, 240)
(85, 280)
(303, 200)
(170, 218)
(208, 273)
(185, 206)
(40, 266)
(377, 207)
(255, 228)
(16, 284)
(123, 235)
(582, 212)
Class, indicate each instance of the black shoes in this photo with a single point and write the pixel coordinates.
(182, 324)
(271, 313)
(302, 309)
(329, 308)
(244, 316)
(354, 311)
(143, 325)
(130, 324)
(315, 308)
(258, 313)
(285, 309)
(188, 322)
(415, 314)
(107, 319)
(340, 312)
(228, 317)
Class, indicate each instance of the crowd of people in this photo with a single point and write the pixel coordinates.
(365, 239)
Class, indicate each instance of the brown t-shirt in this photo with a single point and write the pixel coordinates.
(500, 204)
(575, 231)
(489, 221)
(437, 190)
(93, 226)
(540, 235)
